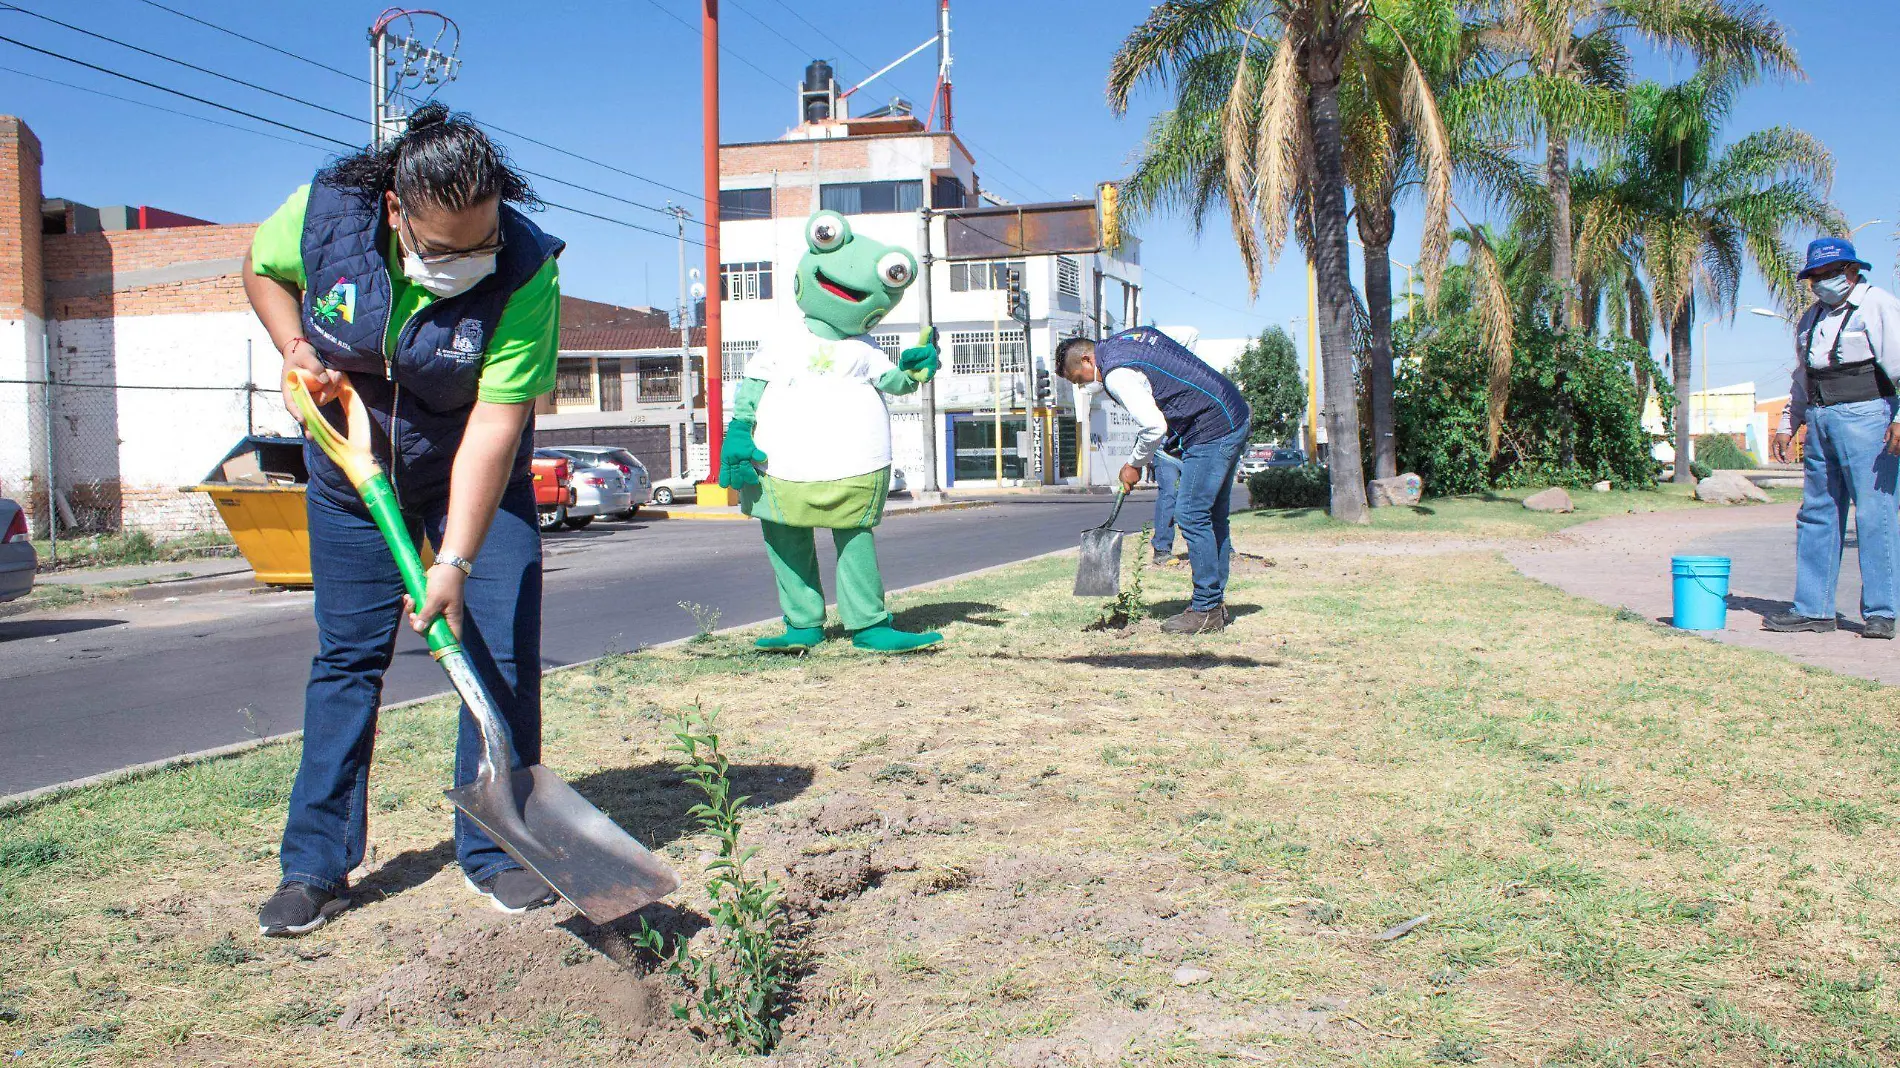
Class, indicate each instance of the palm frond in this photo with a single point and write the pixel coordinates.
(1279, 146)
(1158, 50)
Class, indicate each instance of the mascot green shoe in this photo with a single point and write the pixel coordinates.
(809, 443)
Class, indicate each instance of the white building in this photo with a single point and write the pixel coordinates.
(875, 170)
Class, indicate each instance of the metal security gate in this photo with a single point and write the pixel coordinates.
(652, 444)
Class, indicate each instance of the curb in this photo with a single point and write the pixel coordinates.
(650, 512)
(12, 804)
(150, 591)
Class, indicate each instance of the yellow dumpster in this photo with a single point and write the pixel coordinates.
(258, 489)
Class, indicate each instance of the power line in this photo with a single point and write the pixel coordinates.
(621, 222)
(255, 41)
(695, 31)
(182, 63)
(175, 92)
(773, 30)
(492, 126)
(166, 110)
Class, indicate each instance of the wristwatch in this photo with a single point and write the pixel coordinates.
(455, 561)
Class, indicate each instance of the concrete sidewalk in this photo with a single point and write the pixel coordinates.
(731, 513)
(1623, 561)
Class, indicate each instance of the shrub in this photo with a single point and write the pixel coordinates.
(1305, 486)
(1565, 389)
(1719, 452)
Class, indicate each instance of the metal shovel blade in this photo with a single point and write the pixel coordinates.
(559, 835)
(1100, 572)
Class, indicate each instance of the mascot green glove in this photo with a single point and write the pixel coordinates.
(809, 444)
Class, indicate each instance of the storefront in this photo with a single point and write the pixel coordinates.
(970, 443)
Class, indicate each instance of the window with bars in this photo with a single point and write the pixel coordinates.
(659, 378)
(975, 352)
(733, 356)
(574, 382)
(892, 344)
(1068, 277)
(979, 275)
(746, 281)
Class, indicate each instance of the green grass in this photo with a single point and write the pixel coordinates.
(1498, 514)
(135, 547)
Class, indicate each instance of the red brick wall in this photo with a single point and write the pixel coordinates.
(580, 312)
(77, 257)
(20, 157)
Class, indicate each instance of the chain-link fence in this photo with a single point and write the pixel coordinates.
(108, 456)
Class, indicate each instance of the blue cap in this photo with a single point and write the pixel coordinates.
(1827, 251)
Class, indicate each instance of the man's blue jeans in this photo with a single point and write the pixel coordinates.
(1167, 482)
(1200, 509)
(1846, 462)
(359, 606)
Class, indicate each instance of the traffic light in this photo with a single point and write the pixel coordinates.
(1045, 388)
(1018, 302)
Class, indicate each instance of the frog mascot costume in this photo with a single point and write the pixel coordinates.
(809, 444)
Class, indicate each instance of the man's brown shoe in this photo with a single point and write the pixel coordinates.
(1192, 622)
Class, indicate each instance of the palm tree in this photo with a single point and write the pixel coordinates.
(1700, 215)
(1569, 61)
(1281, 149)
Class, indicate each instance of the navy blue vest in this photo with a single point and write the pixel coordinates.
(1200, 404)
(419, 396)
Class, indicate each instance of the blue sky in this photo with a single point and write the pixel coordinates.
(620, 82)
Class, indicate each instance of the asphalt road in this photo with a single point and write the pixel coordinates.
(95, 688)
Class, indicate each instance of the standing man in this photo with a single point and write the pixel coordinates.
(1847, 349)
(1174, 396)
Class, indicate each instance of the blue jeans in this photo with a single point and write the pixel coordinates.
(1167, 481)
(359, 606)
(1200, 510)
(1846, 461)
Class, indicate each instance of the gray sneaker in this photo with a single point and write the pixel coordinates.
(1192, 622)
(1877, 627)
(513, 891)
(298, 908)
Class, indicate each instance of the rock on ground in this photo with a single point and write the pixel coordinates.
(1601, 487)
(1729, 487)
(1397, 491)
(1553, 499)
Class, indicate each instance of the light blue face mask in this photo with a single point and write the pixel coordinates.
(1833, 290)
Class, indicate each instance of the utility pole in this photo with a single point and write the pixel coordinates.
(679, 213)
(408, 49)
(926, 327)
(715, 281)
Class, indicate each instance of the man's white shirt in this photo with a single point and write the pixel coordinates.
(1871, 318)
(1132, 391)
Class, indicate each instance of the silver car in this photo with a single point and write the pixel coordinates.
(608, 481)
(18, 561)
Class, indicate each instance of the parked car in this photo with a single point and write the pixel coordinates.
(18, 561)
(1261, 457)
(553, 488)
(609, 481)
(681, 490)
(898, 483)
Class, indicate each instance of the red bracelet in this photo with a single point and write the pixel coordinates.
(292, 343)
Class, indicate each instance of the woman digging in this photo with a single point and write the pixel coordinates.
(408, 267)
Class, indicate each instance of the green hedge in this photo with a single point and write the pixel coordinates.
(1306, 486)
(1719, 452)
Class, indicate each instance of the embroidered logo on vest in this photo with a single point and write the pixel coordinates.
(467, 342)
(339, 301)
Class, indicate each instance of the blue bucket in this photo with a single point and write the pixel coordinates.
(1701, 591)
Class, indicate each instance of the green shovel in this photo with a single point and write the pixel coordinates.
(534, 816)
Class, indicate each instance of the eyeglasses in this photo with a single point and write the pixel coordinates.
(449, 256)
(1828, 272)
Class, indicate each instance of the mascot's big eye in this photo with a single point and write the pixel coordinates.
(895, 269)
(827, 232)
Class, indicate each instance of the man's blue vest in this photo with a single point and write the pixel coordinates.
(1200, 404)
(419, 396)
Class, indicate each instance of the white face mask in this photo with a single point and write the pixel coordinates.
(1833, 290)
(448, 279)
(1090, 390)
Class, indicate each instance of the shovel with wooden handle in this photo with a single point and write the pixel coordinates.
(1100, 572)
(534, 816)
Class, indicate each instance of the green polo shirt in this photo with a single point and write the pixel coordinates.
(519, 363)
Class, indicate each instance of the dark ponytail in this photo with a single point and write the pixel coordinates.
(443, 160)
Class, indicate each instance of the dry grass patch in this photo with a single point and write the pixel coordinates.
(1042, 846)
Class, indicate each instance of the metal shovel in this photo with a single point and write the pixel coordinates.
(1100, 572)
(535, 817)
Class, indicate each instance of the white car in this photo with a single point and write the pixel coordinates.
(18, 560)
(608, 481)
(681, 490)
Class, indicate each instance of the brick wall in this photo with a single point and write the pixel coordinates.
(181, 270)
(20, 287)
(580, 312)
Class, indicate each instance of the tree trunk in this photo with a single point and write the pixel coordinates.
(1563, 268)
(1377, 239)
(1679, 331)
(1332, 262)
